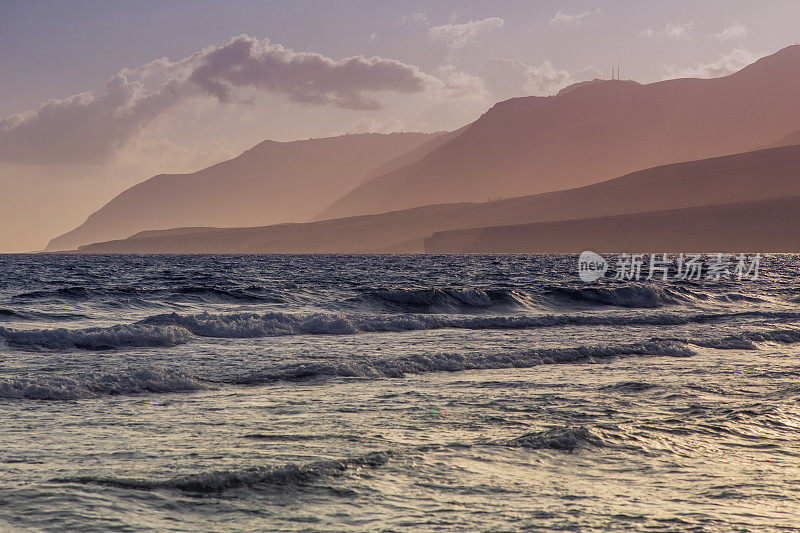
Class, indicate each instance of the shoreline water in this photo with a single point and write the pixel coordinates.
(375, 392)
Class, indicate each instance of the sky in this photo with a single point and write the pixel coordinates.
(96, 96)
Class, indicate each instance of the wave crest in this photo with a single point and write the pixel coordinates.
(566, 439)
(221, 480)
(90, 386)
(632, 295)
(134, 335)
(449, 299)
(456, 362)
(171, 329)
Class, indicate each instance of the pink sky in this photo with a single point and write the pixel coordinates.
(95, 97)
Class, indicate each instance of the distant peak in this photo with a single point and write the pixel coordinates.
(570, 88)
(793, 49)
(342, 136)
(784, 59)
(597, 81)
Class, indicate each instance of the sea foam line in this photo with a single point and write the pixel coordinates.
(134, 381)
(172, 329)
(130, 381)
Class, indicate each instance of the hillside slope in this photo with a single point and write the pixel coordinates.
(270, 183)
(763, 174)
(760, 226)
(591, 133)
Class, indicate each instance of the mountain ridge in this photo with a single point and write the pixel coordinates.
(593, 132)
(271, 182)
(761, 174)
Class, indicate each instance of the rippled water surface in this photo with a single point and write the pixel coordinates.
(217, 393)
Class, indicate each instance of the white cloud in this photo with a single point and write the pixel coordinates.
(734, 30)
(673, 30)
(156, 155)
(420, 18)
(578, 19)
(303, 77)
(455, 83)
(371, 125)
(507, 78)
(722, 66)
(87, 128)
(84, 128)
(457, 36)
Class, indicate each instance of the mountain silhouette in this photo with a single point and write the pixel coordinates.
(270, 183)
(763, 226)
(752, 176)
(593, 132)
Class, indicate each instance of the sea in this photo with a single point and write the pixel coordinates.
(394, 393)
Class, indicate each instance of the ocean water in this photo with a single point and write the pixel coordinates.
(364, 393)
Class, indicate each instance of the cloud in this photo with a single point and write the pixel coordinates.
(722, 66)
(673, 30)
(158, 155)
(454, 83)
(457, 36)
(86, 128)
(579, 19)
(734, 30)
(421, 18)
(507, 78)
(371, 125)
(304, 77)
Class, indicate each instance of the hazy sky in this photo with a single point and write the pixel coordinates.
(98, 95)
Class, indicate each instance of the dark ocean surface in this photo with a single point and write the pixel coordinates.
(363, 393)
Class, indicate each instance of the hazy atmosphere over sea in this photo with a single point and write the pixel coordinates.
(96, 97)
(463, 265)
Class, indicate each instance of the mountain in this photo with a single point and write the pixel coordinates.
(413, 155)
(760, 226)
(590, 133)
(270, 183)
(758, 175)
(788, 140)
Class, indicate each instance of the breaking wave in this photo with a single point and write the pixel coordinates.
(90, 386)
(455, 362)
(221, 480)
(172, 329)
(633, 295)
(165, 381)
(747, 340)
(273, 324)
(448, 299)
(119, 336)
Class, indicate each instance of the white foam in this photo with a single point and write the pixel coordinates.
(246, 325)
(455, 362)
(172, 329)
(97, 338)
(747, 340)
